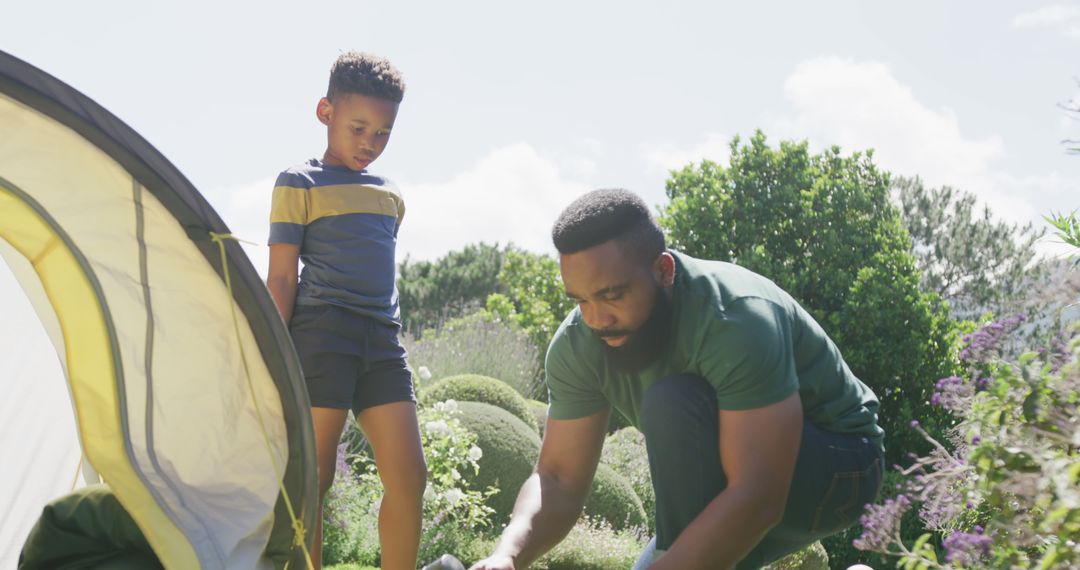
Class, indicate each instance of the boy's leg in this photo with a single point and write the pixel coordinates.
(385, 408)
(329, 365)
(328, 423)
(835, 474)
(394, 434)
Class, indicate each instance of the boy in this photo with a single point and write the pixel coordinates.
(342, 221)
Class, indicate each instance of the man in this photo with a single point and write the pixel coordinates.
(760, 438)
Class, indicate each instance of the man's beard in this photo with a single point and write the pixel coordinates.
(645, 344)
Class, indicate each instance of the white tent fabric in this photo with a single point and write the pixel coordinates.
(187, 424)
(38, 408)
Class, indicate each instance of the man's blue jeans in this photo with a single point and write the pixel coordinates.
(836, 474)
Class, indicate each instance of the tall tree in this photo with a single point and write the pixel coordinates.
(966, 256)
(431, 292)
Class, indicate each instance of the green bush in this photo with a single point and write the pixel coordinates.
(593, 545)
(812, 557)
(539, 411)
(477, 388)
(624, 451)
(510, 451)
(349, 528)
(613, 499)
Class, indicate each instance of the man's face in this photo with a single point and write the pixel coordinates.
(357, 128)
(622, 299)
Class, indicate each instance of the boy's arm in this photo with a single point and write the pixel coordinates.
(551, 499)
(281, 277)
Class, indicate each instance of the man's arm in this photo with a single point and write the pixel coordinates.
(758, 449)
(281, 277)
(551, 499)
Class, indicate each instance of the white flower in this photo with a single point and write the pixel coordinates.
(424, 373)
(454, 496)
(455, 475)
(475, 453)
(429, 493)
(437, 427)
(451, 405)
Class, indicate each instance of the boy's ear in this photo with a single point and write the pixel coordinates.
(324, 110)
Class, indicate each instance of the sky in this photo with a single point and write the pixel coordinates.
(514, 110)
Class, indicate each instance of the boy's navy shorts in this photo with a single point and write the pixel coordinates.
(350, 361)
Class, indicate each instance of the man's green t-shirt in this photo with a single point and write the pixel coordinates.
(736, 329)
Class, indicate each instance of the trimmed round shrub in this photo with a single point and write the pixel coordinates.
(477, 388)
(624, 451)
(614, 500)
(510, 451)
(539, 411)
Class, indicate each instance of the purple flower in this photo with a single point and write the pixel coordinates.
(966, 549)
(342, 464)
(881, 524)
(952, 393)
(982, 345)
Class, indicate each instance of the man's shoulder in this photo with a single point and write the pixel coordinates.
(720, 284)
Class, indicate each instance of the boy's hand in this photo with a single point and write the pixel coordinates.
(495, 562)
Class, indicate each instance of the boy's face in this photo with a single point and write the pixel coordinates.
(357, 128)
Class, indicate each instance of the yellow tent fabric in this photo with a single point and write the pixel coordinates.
(113, 248)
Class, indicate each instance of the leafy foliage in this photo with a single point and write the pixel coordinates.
(1008, 492)
(478, 388)
(593, 545)
(613, 499)
(510, 451)
(821, 226)
(625, 452)
(431, 292)
(477, 343)
(453, 454)
(971, 260)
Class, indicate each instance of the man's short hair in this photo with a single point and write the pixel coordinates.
(607, 214)
(365, 74)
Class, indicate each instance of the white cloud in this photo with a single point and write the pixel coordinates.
(513, 194)
(860, 105)
(1052, 15)
(1063, 17)
(666, 156)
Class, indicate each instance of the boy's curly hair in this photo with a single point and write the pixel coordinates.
(365, 74)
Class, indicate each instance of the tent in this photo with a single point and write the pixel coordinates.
(186, 394)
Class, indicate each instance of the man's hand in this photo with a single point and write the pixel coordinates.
(551, 499)
(494, 563)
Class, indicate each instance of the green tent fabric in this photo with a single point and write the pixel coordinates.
(87, 529)
(187, 394)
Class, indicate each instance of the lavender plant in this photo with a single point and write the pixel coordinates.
(479, 343)
(1002, 490)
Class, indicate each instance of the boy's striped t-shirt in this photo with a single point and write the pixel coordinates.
(346, 225)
